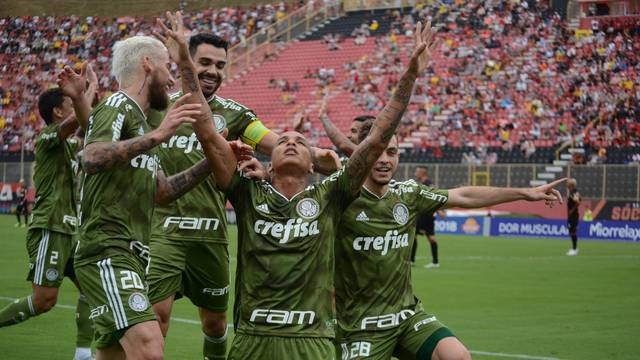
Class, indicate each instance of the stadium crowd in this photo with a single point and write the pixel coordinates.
(513, 76)
(34, 48)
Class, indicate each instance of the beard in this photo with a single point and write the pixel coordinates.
(207, 89)
(158, 97)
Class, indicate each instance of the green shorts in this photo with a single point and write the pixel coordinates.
(195, 269)
(415, 338)
(116, 290)
(50, 257)
(277, 347)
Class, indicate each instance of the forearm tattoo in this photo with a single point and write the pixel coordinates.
(180, 183)
(385, 125)
(105, 155)
(189, 79)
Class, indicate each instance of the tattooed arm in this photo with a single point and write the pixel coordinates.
(336, 136)
(102, 155)
(368, 151)
(215, 147)
(172, 187)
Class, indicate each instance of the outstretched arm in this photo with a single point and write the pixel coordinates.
(215, 147)
(482, 196)
(387, 121)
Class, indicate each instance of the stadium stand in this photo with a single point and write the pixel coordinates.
(514, 83)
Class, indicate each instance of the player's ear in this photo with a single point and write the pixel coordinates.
(311, 169)
(147, 66)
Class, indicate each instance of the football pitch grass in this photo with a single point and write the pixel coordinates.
(505, 298)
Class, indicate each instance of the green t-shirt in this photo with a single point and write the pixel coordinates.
(284, 278)
(53, 176)
(200, 214)
(373, 251)
(117, 204)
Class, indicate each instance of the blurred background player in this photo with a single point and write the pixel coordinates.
(426, 224)
(22, 207)
(573, 214)
(50, 242)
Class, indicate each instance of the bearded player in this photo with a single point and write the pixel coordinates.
(377, 311)
(122, 181)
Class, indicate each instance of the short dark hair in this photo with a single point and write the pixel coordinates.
(423, 168)
(207, 38)
(363, 118)
(48, 100)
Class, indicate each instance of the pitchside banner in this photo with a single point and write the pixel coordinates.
(472, 225)
(601, 230)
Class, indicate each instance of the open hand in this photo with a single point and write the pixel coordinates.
(174, 39)
(179, 114)
(546, 192)
(73, 84)
(425, 43)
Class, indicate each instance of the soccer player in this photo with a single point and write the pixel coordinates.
(22, 207)
(189, 237)
(284, 283)
(377, 312)
(122, 181)
(573, 214)
(49, 240)
(426, 224)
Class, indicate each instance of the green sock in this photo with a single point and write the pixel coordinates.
(17, 312)
(83, 323)
(215, 348)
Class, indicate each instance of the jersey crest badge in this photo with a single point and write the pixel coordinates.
(401, 213)
(308, 208)
(220, 123)
(138, 302)
(52, 274)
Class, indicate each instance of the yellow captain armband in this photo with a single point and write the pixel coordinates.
(254, 133)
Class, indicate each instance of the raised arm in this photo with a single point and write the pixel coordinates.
(102, 155)
(214, 145)
(336, 136)
(387, 121)
(81, 88)
(482, 196)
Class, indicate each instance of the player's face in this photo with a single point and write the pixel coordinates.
(292, 149)
(420, 173)
(386, 165)
(210, 62)
(354, 131)
(161, 82)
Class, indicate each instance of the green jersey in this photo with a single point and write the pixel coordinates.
(55, 207)
(373, 271)
(199, 215)
(284, 278)
(117, 204)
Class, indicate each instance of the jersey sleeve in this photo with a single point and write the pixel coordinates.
(48, 138)
(238, 188)
(338, 186)
(254, 131)
(106, 124)
(430, 199)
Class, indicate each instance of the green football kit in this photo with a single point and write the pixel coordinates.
(49, 239)
(189, 244)
(115, 217)
(284, 289)
(377, 312)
